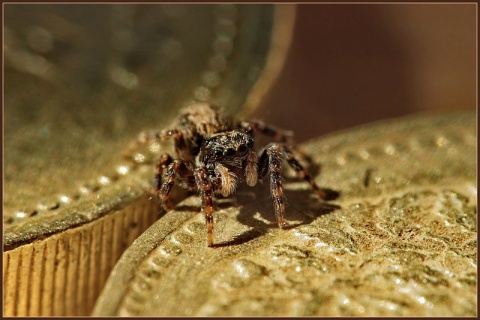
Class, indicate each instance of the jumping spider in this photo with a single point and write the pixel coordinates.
(215, 153)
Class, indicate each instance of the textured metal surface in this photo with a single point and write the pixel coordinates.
(81, 82)
(64, 273)
(403, 242)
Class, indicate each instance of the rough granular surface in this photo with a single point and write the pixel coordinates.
(402, 241)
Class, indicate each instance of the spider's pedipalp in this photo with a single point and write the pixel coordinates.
(228, 180)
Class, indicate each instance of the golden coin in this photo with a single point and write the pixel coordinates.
(399, 241)
(81, 82)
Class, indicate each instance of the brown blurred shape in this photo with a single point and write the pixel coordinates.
(356, 63)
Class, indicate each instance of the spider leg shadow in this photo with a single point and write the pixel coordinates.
(241, 238)
(256, 212)
(309, 214)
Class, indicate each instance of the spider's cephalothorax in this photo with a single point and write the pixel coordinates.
(216, 153)
(228, 158)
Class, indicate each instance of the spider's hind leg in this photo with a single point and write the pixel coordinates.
(303, 174)
(279, 135)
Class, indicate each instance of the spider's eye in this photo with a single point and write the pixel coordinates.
(242, 148)
(218, 153)
(250, 143)
(230, 152)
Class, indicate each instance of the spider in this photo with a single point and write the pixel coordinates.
(215, 153)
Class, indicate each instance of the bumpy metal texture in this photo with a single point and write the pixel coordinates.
(403, 242)
(81, 82)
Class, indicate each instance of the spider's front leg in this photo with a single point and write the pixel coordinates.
(176, 169)
(180, 138)
(162, 163)
(271, 160)
(205, 188)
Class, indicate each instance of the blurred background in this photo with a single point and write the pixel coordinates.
(351, 64)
